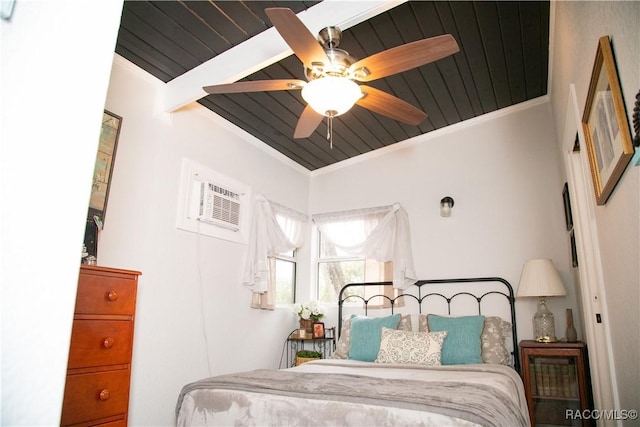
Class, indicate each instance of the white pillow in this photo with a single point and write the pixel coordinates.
(416, 348)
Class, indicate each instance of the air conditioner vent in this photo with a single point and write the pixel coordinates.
(223, 205)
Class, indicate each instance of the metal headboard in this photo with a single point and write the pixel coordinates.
(422, 295)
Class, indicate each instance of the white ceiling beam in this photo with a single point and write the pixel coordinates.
(264, 49)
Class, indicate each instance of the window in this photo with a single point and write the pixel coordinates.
(343, 258)
(380, 233)
(284, 266)
(276, 231)
(336, 268)
(350, 239)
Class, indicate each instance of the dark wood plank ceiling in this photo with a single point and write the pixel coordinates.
(503, 61)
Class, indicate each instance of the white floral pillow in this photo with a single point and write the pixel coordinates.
(493, 337)
(417, 348)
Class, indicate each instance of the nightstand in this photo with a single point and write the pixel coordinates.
(556, 382)
(325, 346)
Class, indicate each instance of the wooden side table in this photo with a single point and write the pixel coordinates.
(556, 381)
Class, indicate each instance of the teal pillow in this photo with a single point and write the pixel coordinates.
(365, 336)
(463, 345)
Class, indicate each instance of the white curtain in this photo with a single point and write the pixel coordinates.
(389, 240)
(275, 229)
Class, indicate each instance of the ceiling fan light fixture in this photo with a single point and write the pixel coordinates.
(331, 96)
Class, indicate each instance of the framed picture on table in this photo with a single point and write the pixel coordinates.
(318, 330)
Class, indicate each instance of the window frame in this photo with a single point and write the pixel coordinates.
(293, 259)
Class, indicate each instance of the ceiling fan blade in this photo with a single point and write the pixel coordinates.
(404, 57)
(297, 36)
(388, 105)
(308, 122)
(256, 86)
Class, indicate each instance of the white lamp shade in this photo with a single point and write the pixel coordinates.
(540, 279)
(330, 95)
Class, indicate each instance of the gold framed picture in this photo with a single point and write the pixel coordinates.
(605, 124)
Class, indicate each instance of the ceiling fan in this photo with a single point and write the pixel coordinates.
(331, 89)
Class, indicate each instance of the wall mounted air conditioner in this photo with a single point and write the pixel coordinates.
(212, 204)
(215, 204)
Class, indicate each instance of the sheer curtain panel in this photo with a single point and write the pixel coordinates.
(381, 233)
(275, 229)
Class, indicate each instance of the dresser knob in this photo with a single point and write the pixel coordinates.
(112, 295)
(104, 395)
(108, 342)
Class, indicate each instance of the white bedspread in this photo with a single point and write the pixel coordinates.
(204, 404)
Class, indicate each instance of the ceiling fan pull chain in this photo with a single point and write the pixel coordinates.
(331, 140)
(328, 126)
(330, 131)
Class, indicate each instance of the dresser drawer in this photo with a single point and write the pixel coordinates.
(105, 295)
(93, 396)
(119, 423)
(100, 342)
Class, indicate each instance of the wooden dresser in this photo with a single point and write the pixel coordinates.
(99, 368)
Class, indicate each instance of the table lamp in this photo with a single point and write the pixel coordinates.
(540, 279)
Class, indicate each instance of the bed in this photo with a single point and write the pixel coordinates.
(443, 352)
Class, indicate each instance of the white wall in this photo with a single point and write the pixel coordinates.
(185, 274)
(504, 174)
(55, 70)
(578, 27)
(54, 81)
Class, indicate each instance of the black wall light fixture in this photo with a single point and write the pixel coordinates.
(445, 206)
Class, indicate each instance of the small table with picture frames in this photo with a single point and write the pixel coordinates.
(325, 346)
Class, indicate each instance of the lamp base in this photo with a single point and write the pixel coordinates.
(544, 324)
